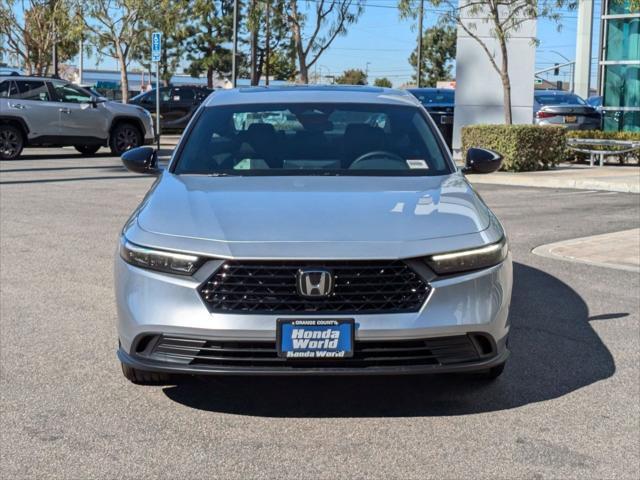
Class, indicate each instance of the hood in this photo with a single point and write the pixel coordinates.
(322, 210)
(124, 108)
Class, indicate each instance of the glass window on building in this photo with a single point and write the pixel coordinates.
(621, 66)
(623, 39)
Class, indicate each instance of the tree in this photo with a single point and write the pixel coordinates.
(383, 82)
(504, 19)
(267, 23)
(352, 76)
(438, 50)
(211, 30)
(115, 31)
(169, 17)
(331, 20)
(30, 37)
(282, 65)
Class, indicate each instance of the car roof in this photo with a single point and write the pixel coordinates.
(553, 92)
(30, 77)
(431, 90)
(312, 94)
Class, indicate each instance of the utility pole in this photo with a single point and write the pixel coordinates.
(420, 15)
(54, 49)
(234, 69)
(268, 41)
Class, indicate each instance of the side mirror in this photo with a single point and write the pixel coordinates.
(141, 160)
(94, 100)
(481, 160)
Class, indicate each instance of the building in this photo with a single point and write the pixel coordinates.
(619, 66)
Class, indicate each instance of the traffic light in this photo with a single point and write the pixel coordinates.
(556, 71)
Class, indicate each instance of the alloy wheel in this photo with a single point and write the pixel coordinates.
(9, 143)
(126, 138)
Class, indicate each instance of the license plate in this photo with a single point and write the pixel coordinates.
(570, 119)
(315, 338)
(447, 120)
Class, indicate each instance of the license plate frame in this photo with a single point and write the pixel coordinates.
(284, 334)
(570, 119)
(446, 120)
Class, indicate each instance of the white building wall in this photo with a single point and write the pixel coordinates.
(479, 95)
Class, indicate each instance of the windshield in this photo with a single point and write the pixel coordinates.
(312, 139)
(428, 97)
(563, 99)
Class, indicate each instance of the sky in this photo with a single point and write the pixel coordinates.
(380, 43)
(384, 41)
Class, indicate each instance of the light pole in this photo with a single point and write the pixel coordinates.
(234, 80)
(267, 46)
(573, 67)
(419, 69)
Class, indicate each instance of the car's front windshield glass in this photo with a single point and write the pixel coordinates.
(567, 99)
(312, 139)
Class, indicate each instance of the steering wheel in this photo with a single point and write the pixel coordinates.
(379, 154)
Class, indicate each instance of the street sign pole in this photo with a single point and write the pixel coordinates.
(156, 53)
(158, 102)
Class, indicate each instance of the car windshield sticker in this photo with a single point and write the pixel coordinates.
(417, 163)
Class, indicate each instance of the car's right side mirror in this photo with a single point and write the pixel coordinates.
(482, 160)
(141, 160)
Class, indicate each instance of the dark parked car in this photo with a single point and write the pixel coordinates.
(177, 104)
(440, 103)
(555, 107)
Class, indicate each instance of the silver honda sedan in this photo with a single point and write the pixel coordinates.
(311, 230)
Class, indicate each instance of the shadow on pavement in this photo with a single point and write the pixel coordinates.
(554, 352)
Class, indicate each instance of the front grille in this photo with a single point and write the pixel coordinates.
(359, 287)
(367, 354)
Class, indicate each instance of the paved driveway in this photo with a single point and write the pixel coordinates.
(566, 407)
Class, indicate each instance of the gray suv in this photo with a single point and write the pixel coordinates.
(40, 111)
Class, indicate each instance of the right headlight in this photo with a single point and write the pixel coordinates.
(159, 260)
(472, 259)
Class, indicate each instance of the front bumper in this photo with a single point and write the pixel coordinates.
(151, 303)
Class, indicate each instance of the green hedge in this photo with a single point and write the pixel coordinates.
(573, 156)
(524, 147)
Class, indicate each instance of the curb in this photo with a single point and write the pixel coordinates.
(559, 183)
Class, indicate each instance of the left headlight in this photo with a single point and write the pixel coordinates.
(472, 259)
(159, 260)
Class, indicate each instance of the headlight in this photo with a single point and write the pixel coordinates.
(474, 259)
(160, 260)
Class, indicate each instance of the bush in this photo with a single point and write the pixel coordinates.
(573, 156)
(524, 147)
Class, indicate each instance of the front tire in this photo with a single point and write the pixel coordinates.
(11, 142)
(87, 149)
(140, 377)
(123, 137)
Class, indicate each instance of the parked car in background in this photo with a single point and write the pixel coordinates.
(595, 102)
(440, 103)
(556, 107)
(177, 104)
(42, 111)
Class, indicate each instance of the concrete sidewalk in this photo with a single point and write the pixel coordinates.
(608, 178)
(620, 250)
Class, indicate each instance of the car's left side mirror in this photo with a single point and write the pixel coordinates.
(94, 100)
(482, 160)
(141, 160)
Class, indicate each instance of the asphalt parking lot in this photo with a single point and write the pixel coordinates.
(566, 407)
